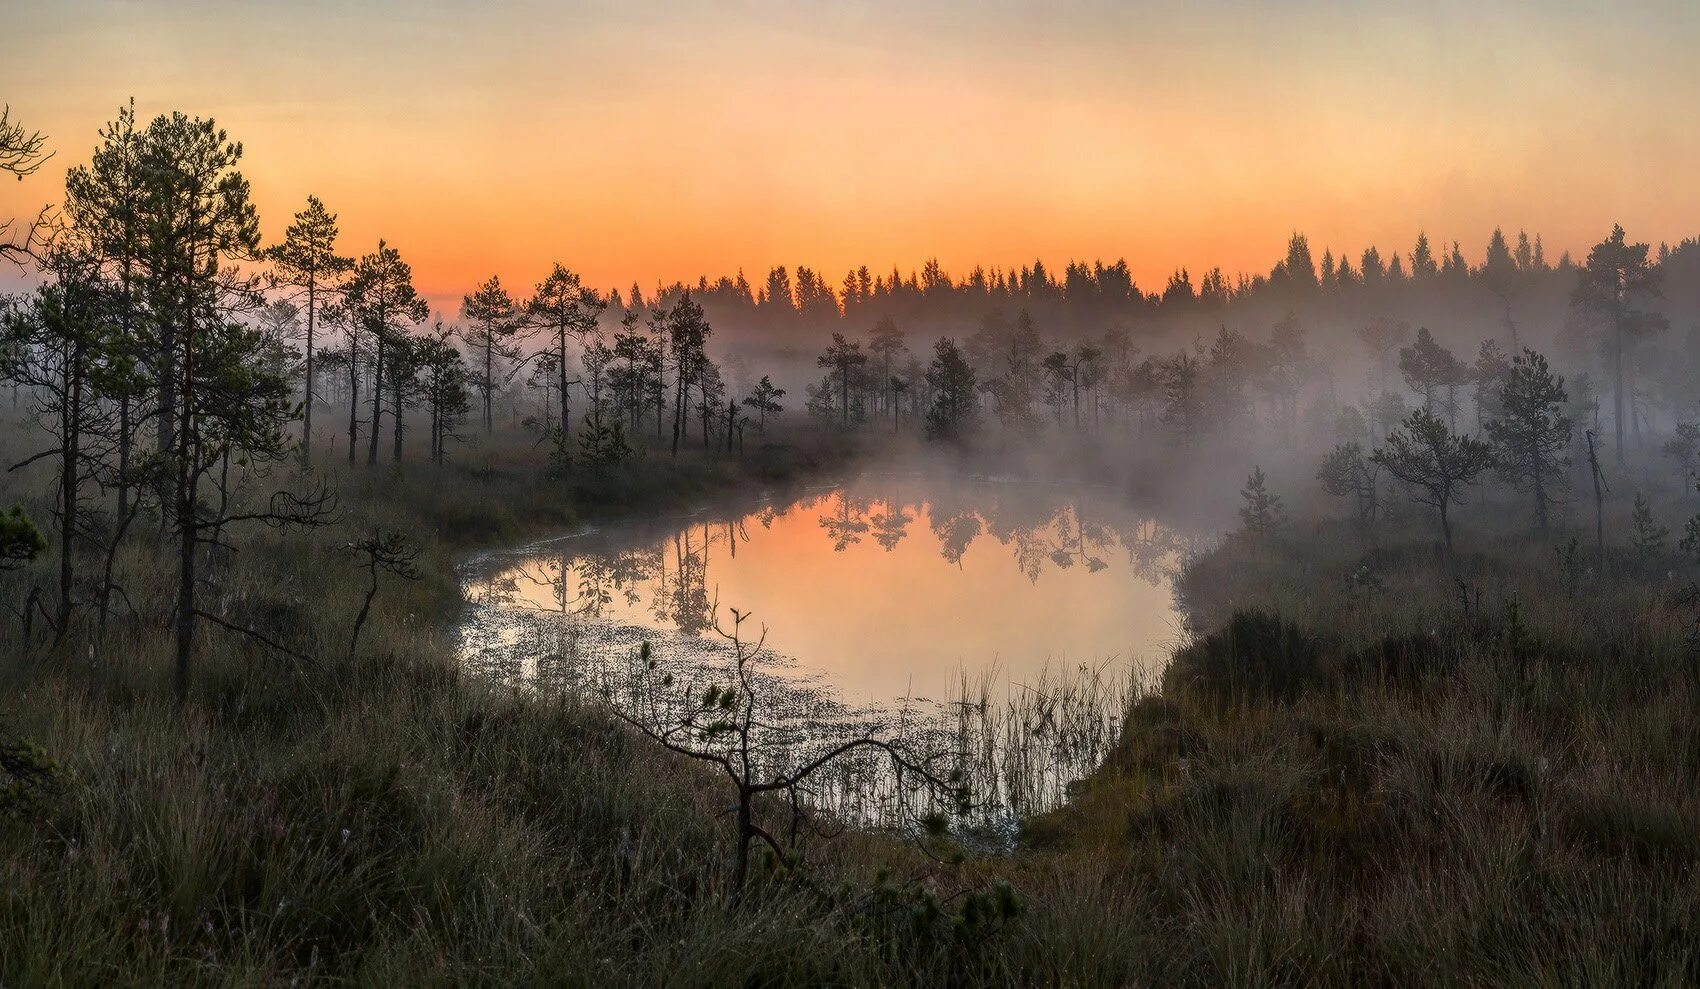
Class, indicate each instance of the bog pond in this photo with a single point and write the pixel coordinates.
(886, 601)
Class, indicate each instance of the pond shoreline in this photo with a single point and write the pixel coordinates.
(531, 617)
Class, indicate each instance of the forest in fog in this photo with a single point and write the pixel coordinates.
(1427, 510)
(156, 253)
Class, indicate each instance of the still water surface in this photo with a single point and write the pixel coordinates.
(886, 588)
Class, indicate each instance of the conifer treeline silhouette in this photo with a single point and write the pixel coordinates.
(795, 297)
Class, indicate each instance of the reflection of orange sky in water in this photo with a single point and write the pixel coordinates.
(878, 623)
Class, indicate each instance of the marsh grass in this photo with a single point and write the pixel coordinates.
(1440, 787)
(1419, 785)
(391, 819)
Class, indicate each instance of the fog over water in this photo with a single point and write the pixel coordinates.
(888, 587)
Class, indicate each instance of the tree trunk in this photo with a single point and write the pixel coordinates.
(377, 403)
(72, 428)
(678, 409)
(1617, 377)
(353, 401)
(125, 319)
(307, 406)
(566, 422)
(1540, 485)
(741, 865)
(1599, 502)
(489, 379)
(706, 413)
(123, 456)
(395, 412)
(186, 531)
(168, 387)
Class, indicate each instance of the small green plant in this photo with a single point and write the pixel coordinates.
(1691, 534)
(1648, 535)
(602, 446)
(914, 916)
(20, 540)
(1570, 563)
(26, 774)
(1257, 655)
(1515, 637)
(1262, 510)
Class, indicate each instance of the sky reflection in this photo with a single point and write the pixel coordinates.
(891, 587)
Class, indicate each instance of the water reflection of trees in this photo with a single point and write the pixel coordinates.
(682, 597)
(670, 579)
(1042, 529)
(890, 524)
(846, 526)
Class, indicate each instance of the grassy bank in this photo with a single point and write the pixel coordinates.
(1380, 765)
(376, 817)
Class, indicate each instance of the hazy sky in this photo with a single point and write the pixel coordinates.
(660, 141)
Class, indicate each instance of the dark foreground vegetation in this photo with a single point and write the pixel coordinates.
(1378, 763)
(1447, 739)
(1381, 765)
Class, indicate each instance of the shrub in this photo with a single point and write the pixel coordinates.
(1256, 655)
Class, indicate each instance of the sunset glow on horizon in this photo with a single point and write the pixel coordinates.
(686, 139)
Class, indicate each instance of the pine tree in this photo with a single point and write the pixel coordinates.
(1183, 407)
(1262, 511)
(307, 260)
(1423, 265)
(1503, 276)
(382, 302)
(103, 201)
(843, 358)
(687, 332)
(885, 341)
(1683, 446)
(1531, 433)
(1298, 267)
(1383, 336)
(953, 415)
(765, 400)
(1649, 536)
(1427, 367)
(1346, 472)
(1434, 463)
(443, 380)
(1488, 374)
(59, 347)
(565, 309)
(1617, 272)
(495, 320)
(20, 540)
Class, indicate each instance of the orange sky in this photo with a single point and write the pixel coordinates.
(655, 142)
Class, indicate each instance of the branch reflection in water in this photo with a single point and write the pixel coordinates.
(1017, 617)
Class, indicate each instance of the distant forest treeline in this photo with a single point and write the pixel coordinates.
(1335, 330)
(1514, 286)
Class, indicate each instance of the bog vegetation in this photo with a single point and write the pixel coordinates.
(1435, 723)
